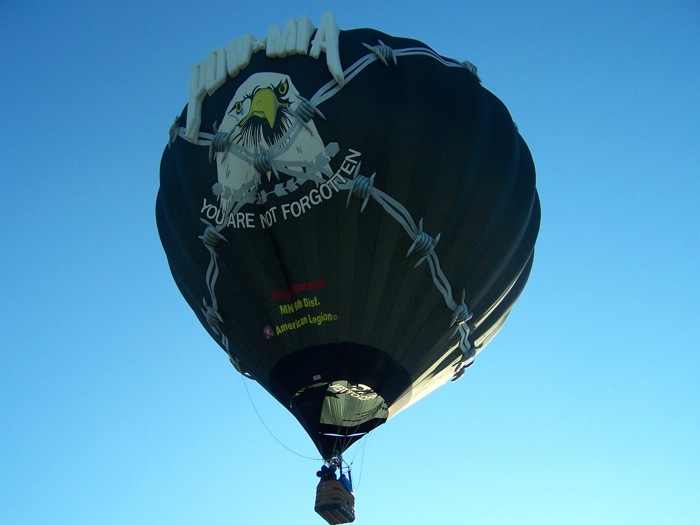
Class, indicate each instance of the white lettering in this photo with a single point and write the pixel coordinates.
(194, 104)
(339, 177)
(238, 220)
(363, 395)
(325, 188)
(210, 74)
(205, 205)
(268, 218)
(326, 40)
(304, 31)
(241, 220)
(238, 54)
(215, 70)
(259, 45)
(304, 203)
(277, 43)
(314, 197)
(294, 40)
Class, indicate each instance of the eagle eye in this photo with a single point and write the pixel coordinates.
(238, 106)
(283, 87)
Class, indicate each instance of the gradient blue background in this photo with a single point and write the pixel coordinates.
(117, 408)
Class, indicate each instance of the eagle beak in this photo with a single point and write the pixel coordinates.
(263, 105)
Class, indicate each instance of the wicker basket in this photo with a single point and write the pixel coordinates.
(334, 502)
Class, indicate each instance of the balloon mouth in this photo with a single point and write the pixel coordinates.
(341, 436)
(347, 394)
(348, 411)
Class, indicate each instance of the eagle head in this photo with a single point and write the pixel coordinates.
(261, 116)
(260, 112)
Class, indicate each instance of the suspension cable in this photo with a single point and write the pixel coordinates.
(268, 428)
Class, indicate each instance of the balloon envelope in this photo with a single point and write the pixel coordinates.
(350, 247)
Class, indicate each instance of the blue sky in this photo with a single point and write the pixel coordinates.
(116, 407)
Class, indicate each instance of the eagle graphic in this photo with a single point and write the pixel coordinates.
(263, 117)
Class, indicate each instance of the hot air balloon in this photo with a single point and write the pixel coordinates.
(350, 215)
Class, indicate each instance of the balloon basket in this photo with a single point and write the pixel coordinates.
(334, 502)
